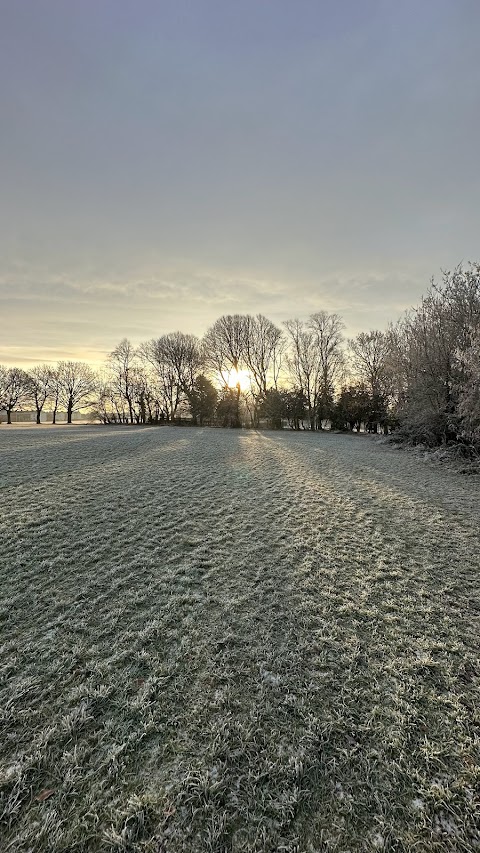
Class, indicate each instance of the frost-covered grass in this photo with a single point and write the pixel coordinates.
(234, 641)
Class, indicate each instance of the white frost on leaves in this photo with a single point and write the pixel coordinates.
(270, 678)
(10, 774)
(444, 825)
(423, 657)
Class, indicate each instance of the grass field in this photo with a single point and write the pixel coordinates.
(235, 641)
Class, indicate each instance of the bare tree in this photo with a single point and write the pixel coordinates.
(147, 395)
(184, 353)
(14, 389)
(104, 402)
(176, 359)
(263, 349)
(77, 384)
(370, 351)
(329, 342)
(304, 365)
(371, 358)
(55, 389)
(121, 362)
(225, 346)
(316, 362)
(40, 387)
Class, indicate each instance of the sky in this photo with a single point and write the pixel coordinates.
(164, 163)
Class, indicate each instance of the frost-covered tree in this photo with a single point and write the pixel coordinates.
(432, 342)
(469, 391)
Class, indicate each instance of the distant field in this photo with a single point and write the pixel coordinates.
(236, 642)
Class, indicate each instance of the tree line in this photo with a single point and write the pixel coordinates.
(419, 377)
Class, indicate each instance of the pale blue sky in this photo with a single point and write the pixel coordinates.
(163, 163)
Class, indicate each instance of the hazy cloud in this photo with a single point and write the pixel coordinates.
(162, 164)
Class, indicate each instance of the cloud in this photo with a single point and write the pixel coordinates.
(68, 315)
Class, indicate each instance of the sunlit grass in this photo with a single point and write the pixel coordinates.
(222, 641)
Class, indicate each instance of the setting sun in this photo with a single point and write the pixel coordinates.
(239, 377)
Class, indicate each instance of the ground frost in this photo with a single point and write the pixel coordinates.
(235, 642)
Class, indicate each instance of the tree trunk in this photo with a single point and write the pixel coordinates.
(9, 416)
(39, 412)
(143, 414)
(69, 412)
(236, 423)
